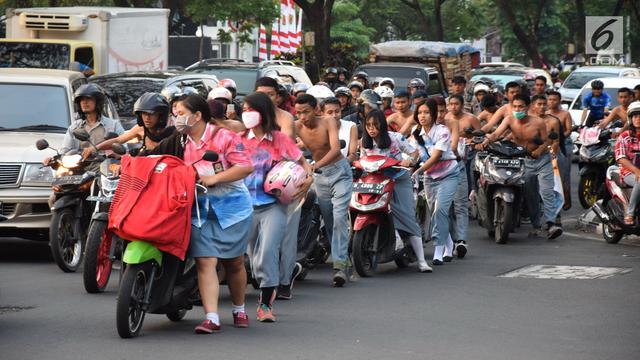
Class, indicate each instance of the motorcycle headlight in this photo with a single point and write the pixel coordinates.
(37, 175)
(71, 161)
(492, 172)
(108, 185)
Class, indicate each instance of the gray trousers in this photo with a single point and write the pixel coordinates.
(538, 183)
(289, 248)
(266, 238)
(333, 187)
(630, 180)
(440, 194)
(460, 208)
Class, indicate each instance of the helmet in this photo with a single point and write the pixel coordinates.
(634, 108)
(230, 85)
(480, 87)
(388, 81)
(344, 71)
(554, 72)
(320, 92)
(89, 90)
(220, 93)
(356, 84)
(173, 92)
(416, 83)
(283, 180)
(151, 102)
(299, 87)
(597, 84)
(376, 80)
(384, 92)
(343, 90)
(331, 70)
(361, 75)
(370, 98)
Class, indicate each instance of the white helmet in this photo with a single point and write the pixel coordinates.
(320, 92)
(384, 92)
(634, 108)
(480, 87)
(387, 81)
(220, 93)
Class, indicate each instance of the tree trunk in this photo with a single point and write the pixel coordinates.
(529, 42)
(437, 9)
(423, 20)
(318, 15)
(618, 8)
(580, 40)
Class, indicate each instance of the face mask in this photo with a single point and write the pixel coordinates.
(519, 114)
(182, 124)
(251, 119)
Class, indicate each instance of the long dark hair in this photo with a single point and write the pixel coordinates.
(195, 103)
(432, 105)
(385, 140)
(262, 103)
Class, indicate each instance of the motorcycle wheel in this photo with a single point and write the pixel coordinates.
(176, 315)
(364, 256)
(65, 240)
(610, 236)
(130, 310)
(505, 213)
(97, 265)
(587, 191)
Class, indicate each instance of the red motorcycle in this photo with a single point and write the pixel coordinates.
(374, 240)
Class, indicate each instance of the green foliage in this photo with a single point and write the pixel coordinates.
(348, 29)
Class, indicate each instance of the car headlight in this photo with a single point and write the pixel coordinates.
(37, 175)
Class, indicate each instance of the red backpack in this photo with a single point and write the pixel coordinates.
(153, 202)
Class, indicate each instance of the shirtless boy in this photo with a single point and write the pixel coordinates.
(402, 120)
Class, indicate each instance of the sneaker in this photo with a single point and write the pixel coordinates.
(339, 278)
(265, 314)
(437, 262)
(447, 258)
(241, 320)
(284, 291)
(460, 249)
(553, 232)
(536, 232)
(424, 268)
(207, 327)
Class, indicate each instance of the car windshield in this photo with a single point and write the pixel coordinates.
(499, 79)
(400, 75)
(20, 109)
(612, 92)
(578, 79)
(126, 90)
(245, 78)
(34, 55)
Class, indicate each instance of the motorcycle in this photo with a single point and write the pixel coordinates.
(374, 241)
(156, 282)
(70, 211)
(611, 210)
(595, 156)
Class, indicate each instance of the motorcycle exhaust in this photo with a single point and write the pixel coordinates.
(597, 209)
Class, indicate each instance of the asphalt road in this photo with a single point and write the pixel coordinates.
(464, 310)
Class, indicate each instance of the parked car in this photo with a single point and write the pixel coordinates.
(503, 75)
(611, 86)
(402, 73)
(201, 82)
(245, 74)
(573, 84)
(501, 65)
(36, 104)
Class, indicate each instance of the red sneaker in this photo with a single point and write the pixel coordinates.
(241, 320)
(207, 327)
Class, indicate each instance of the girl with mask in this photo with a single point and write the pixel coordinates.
(219, 232)
(267, 146)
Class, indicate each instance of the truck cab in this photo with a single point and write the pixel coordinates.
(402, 73)
(46, 53)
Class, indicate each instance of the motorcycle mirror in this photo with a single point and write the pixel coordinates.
(110, 135)
(81, 134)
(210, 156)
(42, 144)
(343, 144)
(553, 135)
(618, 123)
(538, 140)
(118, 149)
(478, 133)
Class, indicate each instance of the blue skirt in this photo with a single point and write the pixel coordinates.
(210, 240)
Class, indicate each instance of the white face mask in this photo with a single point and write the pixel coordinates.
(251, 119)
(182, 124)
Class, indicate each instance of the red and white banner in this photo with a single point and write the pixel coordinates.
(284, 27)
(275, 39)
(262, 52)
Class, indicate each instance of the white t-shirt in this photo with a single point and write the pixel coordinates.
(439, 138)
(345, 134)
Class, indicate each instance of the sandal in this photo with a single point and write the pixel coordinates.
(628, 220)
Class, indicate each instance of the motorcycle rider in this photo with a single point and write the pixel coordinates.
(418, 97)
(416, 84)
(368, 101)
(512, 88)
(347, 130)
(230, 85)
(554, 109)
(441, 171)
(387, 98)
(388, 82)
(299, 88)
(363, 78)
(346, 107)
(597, 103)
(524, 130)
(377, 140)
(219, 100)
(627, 151)
(343, 75)
(89, 100)
(479, 92)
(540, 85)
(331, 78)
(625, 97)
(333, 180)
(356, 89)
(402, 120)
(489, 107)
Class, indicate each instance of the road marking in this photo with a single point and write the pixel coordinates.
(563, 272)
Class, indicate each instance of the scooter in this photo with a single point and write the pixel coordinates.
(155, 282)
(71, 212)
(374, 240)
(611, 211)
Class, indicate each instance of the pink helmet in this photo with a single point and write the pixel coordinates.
(283, 180)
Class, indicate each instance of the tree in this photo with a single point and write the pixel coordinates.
(349, 31)
(318, 16)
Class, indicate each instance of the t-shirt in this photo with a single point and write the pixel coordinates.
(265, 153)
(627, 146)
(399, 145)
(438, 138)
(596, 104)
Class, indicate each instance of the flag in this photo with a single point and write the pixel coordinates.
(299, 29)
(284, 32)
(275, 39)
(262, 52)
(291, 27)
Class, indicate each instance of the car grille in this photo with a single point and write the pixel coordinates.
(10, 174)
(7, 209)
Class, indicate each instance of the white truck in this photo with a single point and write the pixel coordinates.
(105, 39)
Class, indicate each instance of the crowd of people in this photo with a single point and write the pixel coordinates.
(336, 122)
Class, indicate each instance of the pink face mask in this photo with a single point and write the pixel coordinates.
(251, 119)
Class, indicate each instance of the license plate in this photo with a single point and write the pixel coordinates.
(67, 180)
(507, 163)
(368, 188)
(102, 199)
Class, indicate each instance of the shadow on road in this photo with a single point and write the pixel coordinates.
(22, 250)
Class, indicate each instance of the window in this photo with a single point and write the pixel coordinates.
(19, 109)
(434, 86)
(84, 56)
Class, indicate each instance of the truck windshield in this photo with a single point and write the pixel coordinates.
(33, 107)
(34, 55)
(401, 75)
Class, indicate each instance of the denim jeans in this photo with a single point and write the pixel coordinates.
(440, 194)
(538, 178)
(630, 179)
(460, 208)
(289, 247)
(468, 168)
(333, 187)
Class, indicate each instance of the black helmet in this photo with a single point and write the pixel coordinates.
(331, 70)
(597, 84)
(151, 102)
(370, 98)
(416, 83)
(344, 71)
(357, 84)
(361, 75)
(89, 90)
(343, 90)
